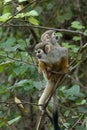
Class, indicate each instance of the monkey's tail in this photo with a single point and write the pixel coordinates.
(55, 113)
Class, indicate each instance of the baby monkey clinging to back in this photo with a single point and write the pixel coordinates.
(52, 59)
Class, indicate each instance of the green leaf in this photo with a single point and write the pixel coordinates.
(33, 21)
(21, 43)
(85, 33)
(74, 91)
(2, 122)
(66, 44)
(10, 42)
(20, 69)
(74, 48)
(14, 120)
(37, 85)
(5, 17)
(19, 84)
(31, 13)
(38, 9)
(82, 109)
(59, 34)
(50, 6)
(3, 90)
(5, 64)
(80, 101)
(61, 18)
(77, 25)
(20, 15)
(11, 49)
(6, 1)
(79, 127)
(68, 15)
(21, 1)
(66, 125)
(28, 87)
(67, 113)
(83, 101)
(76, 38)
(86, 122)
(5, 96)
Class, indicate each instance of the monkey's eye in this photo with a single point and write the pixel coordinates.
(53, 34)
(39, 51)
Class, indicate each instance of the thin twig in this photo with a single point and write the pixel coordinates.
(18, 60)
(43, 27)
(76, 122)
(23, 102)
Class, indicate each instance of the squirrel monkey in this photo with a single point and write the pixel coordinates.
(52, 59)
(49, 37)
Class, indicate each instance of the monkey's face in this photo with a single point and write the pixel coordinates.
(41, 54)
(50, 36)
(47, 36)
(54, 38)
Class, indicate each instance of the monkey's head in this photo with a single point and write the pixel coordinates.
(50, 36)
(41, 53)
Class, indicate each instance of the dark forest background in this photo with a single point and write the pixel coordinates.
(21, 24)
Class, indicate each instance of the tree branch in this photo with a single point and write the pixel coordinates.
(43, 27)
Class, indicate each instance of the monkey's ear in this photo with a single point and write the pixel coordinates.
(47, 48)
(46, 37)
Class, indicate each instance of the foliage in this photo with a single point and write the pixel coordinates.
(20, 30)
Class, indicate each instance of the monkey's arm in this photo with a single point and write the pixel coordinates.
(41, 67)
(65, 65)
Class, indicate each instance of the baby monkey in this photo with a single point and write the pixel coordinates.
(53, 60)
(50, 36)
